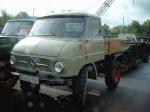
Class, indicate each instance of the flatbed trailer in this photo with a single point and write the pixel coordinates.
(131, 52)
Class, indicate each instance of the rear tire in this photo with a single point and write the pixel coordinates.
(80, 87)
(112, 77)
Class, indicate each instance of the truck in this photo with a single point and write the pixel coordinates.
(65, 50)
(128, 37)
(69, 48)
(13, 31)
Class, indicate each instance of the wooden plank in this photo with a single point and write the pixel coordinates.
(113, 46)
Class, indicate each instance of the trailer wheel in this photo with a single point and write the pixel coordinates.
(80, 87)
(145, 58)
(27, 87)
(112, 77)
(134, 62)
(124, 66)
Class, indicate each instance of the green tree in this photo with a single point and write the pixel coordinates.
(4, 18)
(106, 29)
(116, 30)
(146, 28)
(22, 15)
(136, 28)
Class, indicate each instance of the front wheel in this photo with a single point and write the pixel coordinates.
(27, 87)
(112, 77)
(80, 87)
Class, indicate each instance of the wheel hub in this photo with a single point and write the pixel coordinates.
(117, 74)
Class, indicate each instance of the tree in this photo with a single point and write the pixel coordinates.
(22, 15)
(135, 28)
(146, 28)
(116, 30)
(4, 18)
(106, 29)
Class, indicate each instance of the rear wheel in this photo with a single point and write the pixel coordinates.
(80, 87)
(112, 77)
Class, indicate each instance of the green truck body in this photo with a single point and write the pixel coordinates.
(13, 31)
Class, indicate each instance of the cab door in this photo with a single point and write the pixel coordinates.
(94, 40)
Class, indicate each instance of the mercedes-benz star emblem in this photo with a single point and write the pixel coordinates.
(31, 64)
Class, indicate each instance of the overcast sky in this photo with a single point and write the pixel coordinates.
(120, 9)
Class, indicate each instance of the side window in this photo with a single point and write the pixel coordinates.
(93, 27)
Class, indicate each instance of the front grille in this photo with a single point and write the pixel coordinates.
(41, 63)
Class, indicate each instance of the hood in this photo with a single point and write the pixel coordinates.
(41, 46)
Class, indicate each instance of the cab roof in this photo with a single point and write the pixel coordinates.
(21, 20)
(70, 14)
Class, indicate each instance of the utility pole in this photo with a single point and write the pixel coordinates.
(33, 13)
(123, 25)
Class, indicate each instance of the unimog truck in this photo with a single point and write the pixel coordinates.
(66, 49)
(13, 31)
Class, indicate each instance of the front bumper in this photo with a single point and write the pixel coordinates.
(50, 80)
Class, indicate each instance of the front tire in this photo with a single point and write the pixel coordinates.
(80, 87)
(27, 87)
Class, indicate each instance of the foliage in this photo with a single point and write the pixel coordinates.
(134, 28)
(116, 30)
(22, 15)
(146, 28)
(5, 17)
(106, 29)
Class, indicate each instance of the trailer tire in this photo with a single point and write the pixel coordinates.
(112, 77)
(145, 58)
(124, 66)
(80, 87)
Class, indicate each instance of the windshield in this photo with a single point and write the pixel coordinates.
(17, 28)
(63, 27)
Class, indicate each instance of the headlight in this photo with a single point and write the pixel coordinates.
(12, 60)
(58, 67)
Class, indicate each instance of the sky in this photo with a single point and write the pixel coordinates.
(139, 10)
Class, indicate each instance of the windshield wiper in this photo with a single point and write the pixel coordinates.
(14, 34)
